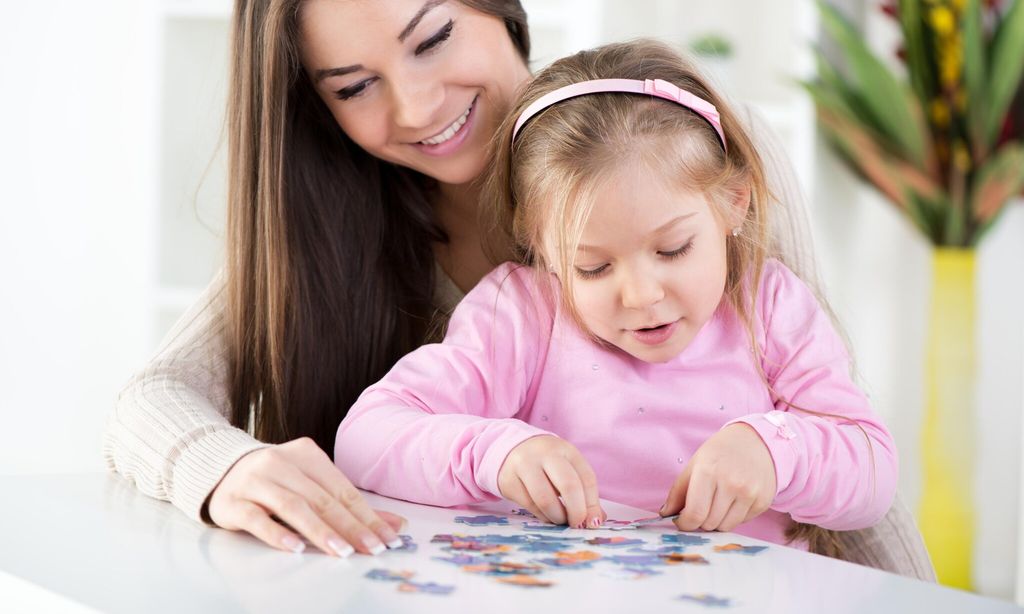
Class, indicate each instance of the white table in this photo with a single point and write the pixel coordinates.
(93, 542)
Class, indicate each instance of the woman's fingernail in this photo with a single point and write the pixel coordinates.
(391, 538)
(342, 549)
(293, 543)
(374, 545)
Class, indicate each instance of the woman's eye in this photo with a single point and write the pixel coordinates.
(592, 272)
(435, 40)
(676, 253)
(353, 90)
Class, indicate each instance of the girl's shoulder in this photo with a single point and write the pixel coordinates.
(782, 294)
(510, 294)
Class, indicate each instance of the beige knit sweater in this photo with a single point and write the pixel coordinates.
(169, 433)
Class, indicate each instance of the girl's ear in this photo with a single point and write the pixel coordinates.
(740, 205)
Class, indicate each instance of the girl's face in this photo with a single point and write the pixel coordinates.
(651, 267)
(423, 84)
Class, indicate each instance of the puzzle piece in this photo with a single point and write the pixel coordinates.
(707, 600)
(408, 545)
(526, 581)
(614, 542)
(386, 575)
(531, 526)
(684, 557)
(684, 539)
(431, 588)
(504, 568)
(748, 550)
(482, 521)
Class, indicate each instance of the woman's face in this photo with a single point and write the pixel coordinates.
(423, 84)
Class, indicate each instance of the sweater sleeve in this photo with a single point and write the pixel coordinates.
(438, 427)
(169, 433)
(837, 471)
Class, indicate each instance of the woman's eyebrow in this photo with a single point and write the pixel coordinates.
(415, 21)
(326, 73)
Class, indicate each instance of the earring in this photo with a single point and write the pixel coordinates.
(736, 231)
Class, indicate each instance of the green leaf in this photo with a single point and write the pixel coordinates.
(1007, 67)
(918, 56)
(995, 183)
(975, 77)
(890, 103)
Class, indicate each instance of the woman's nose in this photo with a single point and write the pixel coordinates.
(641, 290)
(417, 104)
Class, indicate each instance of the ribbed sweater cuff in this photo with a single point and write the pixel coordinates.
(204, 463)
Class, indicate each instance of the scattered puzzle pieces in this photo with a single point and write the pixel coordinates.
(532, 526)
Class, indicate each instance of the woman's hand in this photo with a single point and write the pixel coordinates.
(540, 470)
(730, 480)
(297, 483)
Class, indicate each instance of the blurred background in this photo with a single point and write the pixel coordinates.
(112, 192)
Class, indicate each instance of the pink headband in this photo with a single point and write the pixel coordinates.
(653, 87)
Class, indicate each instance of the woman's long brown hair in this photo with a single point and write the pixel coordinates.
(330, 268)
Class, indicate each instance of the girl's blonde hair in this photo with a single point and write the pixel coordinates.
(543, 185)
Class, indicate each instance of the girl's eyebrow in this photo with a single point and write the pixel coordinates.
(660, 229)
(415, 21)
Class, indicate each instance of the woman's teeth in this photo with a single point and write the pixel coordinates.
(451, 131)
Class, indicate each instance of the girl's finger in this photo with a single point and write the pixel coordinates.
(698, 497)
(594, 515)
(720, 505)
(544, 495)
(253, 519)
(677, 494)
(517, 492)
(569, 486)
(736, 515)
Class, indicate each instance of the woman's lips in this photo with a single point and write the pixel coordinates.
(454, 143)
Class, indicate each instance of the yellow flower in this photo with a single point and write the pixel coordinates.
(943, 20)
(939, 111)
(961, 157)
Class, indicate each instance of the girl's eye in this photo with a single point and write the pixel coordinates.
(435, 40)
(677, 253)
(354, 90)
(591, 273)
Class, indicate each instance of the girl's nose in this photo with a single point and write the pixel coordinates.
(641, 290)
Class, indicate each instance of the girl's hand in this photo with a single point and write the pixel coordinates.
(729, 480)
(540, 470)
(297, 483)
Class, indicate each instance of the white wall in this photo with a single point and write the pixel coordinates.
(76, 259)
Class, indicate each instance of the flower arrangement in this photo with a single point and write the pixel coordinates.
(946, 144)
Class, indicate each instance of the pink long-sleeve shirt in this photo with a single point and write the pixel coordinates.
(513, 365)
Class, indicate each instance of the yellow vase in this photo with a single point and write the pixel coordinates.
(947, 502)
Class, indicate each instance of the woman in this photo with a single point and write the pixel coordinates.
(356, 130)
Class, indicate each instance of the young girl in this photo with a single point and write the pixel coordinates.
(652, 342)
